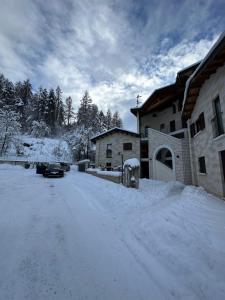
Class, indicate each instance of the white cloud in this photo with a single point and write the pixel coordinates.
(115, 49)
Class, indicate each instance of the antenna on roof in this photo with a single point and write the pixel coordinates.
(138, 102)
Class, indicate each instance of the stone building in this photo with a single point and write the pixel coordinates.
(164, 147)
(204, 107)
(181, 128)
(115, 146)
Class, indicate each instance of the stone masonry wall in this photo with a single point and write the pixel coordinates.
(203, 143)
(117, 140)
(181, 154)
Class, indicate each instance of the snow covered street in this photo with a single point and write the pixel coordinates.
(81, 237)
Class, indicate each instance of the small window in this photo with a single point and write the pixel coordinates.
(202, 166)
(162, 126)
(127, 146)
(174, 108)
(109, 151)
(200, 123)
(172, 126)
(192, 129)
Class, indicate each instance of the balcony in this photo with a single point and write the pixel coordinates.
(176, 131)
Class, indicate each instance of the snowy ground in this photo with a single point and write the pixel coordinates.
(81, 237)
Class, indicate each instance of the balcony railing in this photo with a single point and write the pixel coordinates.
(166, 129)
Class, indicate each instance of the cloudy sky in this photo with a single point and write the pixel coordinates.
(114, 48)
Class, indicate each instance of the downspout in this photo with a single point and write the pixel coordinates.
(191, 153)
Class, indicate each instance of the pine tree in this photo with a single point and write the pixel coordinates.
(52, 110)
(69, 113)
(108, 119)
(116, 120)
(84, 117)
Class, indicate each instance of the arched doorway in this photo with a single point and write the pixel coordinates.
(164, 164)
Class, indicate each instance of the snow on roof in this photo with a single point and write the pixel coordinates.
(83, 161)
(111, 131)
(189, 67)
(222, 36)
(132, 162)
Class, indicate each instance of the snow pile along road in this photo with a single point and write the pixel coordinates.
(81, 237)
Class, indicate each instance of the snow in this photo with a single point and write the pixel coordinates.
(83, 237)
(132, 162)
(41, 150)
(109, 173)
(83, 161)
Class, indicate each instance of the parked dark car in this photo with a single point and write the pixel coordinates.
(65, 167)
(40, 168)
(53, 170)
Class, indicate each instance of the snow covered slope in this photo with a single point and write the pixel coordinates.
(41, 149)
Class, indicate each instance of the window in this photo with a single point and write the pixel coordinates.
(172, 126)
(192, 129)
(217, 121)
(127, 146)
(174, 108)
(109, 151)
(202, 167)
(162, 126)
(200, 123)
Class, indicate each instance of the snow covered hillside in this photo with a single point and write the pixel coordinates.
(87, 238)
(39, 149)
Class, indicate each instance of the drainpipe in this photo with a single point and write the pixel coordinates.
(191, 153)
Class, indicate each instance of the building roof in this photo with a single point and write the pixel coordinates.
(213, 60)
(166, 95)
(112, 131)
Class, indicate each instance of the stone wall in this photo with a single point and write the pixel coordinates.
(115, 179)
(117, 140)
(180, 151)
(203, 143)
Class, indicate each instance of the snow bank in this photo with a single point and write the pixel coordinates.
(109, 173)
(132, 162)
(91, 170)
(83, 161)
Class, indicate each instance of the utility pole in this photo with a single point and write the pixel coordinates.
(138, 102)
